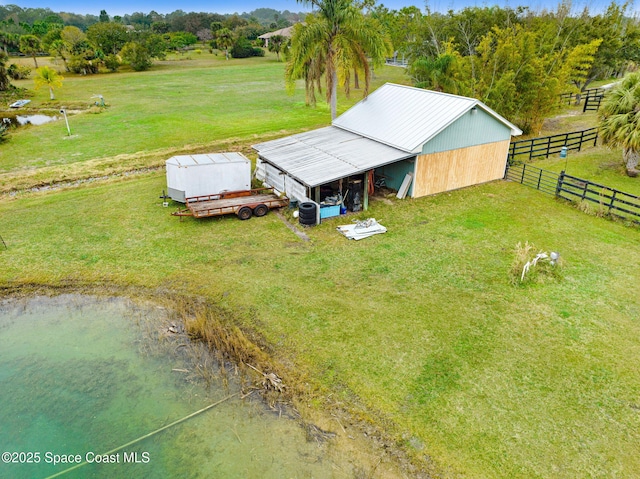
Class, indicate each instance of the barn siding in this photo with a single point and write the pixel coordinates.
(449, 170)
(469, 130)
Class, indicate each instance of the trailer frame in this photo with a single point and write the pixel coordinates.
(244, 204)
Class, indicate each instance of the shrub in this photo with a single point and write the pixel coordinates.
(4, 133)
(137, 56)
(112, 62)
(242, 48)
(79, 64)
(18, 72)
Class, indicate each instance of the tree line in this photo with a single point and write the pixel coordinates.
(135, 39)
(178, 20)
(515, 60)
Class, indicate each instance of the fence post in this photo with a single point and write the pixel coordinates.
(539, 179)
(524, 165)
(560, 182)
(595, 141)
(613, 199)
(530, 149)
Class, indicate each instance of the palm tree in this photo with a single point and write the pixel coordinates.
(336, 40)
(276, 43)
(620, 121)
(8, 40)
(47, 76)
(435, 73)
(224, 39)
(60, 48)
(5, 82)
(30, 45)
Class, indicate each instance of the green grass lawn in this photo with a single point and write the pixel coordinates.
(179, 104)
(420, 330)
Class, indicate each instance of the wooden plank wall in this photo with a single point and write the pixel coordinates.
(449, 170)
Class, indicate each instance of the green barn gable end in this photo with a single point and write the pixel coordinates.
(475, 127)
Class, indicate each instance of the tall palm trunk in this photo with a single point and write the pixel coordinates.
(631, 158)
(334, 94)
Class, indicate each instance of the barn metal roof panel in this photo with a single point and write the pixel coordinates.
(207, 159)
(406, 117)
(327, 154)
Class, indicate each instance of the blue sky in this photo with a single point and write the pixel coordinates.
(121, 7)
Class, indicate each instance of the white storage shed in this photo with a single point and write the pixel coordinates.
(207, 174)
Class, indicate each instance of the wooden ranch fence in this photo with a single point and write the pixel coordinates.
(576, 98)
(593, 99)
(525, 150)
(543, 180)
(606, 200)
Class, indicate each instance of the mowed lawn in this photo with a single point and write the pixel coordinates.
(181, 103)
(420, 329)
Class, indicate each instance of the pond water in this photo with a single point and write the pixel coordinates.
(23, 120)
(81, 377)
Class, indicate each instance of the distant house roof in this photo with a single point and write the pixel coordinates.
(327, 154)
(284, 32)
(406, 117)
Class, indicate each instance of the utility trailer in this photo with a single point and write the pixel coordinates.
(244, 204)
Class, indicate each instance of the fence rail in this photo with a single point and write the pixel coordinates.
(593, 99)
(543, 180)
(607, 201)
(524, 150)
(576, 98)
(397, 62)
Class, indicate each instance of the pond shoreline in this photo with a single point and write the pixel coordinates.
(323, 419)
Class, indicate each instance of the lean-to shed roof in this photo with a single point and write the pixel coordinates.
(406, 117)
(327, 154)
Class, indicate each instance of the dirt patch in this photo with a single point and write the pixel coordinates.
(300, 234)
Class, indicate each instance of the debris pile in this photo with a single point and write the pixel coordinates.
(362, 229)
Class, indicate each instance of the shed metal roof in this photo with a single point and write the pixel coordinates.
(207, 159)
(406, 117)
(327, 154)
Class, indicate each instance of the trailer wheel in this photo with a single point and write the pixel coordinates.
(244, 213)
(260, 210)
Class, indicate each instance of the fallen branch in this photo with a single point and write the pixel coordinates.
(270, 381)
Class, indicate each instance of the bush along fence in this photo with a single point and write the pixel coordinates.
(604, 201)
(525, 150)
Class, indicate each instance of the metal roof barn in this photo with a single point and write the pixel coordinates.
(419, 142)
(207, 174)
(406, 117)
